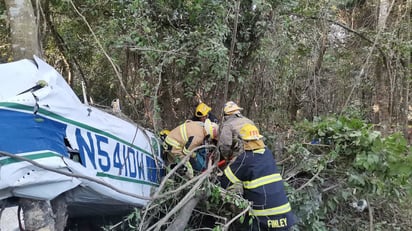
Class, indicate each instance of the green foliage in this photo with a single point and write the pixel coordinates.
(133, 219)
(346, 160)
(225, 203)
(217, 228)
(185, 44)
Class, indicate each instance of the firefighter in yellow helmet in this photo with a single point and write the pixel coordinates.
(203, 112)
(255, 169)
(229, 143)
(187, 136)
(163, 133)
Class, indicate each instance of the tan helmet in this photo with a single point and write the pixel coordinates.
(202, 110)
(231, 108)
(250, 132)
(212, 129)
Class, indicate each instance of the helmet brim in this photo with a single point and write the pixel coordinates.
(253, 144)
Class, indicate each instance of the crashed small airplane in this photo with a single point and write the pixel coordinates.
(52, 144)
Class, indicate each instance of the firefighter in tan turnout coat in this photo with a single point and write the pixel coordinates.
(187, 136)
(233, 121)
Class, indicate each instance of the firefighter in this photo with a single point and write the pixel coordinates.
(187, 136)
(262, 184)
(203, 112)
(163, 133)
(233, 120)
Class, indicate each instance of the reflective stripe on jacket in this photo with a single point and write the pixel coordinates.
(178, 137)
(263, 186)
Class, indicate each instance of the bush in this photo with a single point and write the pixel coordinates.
(339, 163)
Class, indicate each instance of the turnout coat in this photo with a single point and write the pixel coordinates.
(263, 186)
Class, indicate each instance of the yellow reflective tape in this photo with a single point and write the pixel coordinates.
(211, 132)
(272, 211)
(186, 151)
(183, 132)
(229, 174)
(172, 142)
(260, 151)
(262, 181)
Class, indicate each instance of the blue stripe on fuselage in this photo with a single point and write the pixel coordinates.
(27, 132)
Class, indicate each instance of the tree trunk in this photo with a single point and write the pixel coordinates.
(23, 29)
(383, 14)
(37, 215)
(381, 72)
(59, 206)
(184, 215)
(407, 80)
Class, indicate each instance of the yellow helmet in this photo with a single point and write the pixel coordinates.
(211, 129)
(250, 132)
(231, 108)
(202, 110)
(164, 132)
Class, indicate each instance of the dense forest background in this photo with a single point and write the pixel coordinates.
(337, 71)
(291, 59)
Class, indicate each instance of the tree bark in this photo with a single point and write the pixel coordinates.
(184, 215)
(380, 71)
(23, 29)
(37, 215)
(407, 80)
(59, 206)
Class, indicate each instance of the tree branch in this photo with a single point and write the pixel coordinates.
(346, 28)
(226, 226)
(309, 181)
(184, 200)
